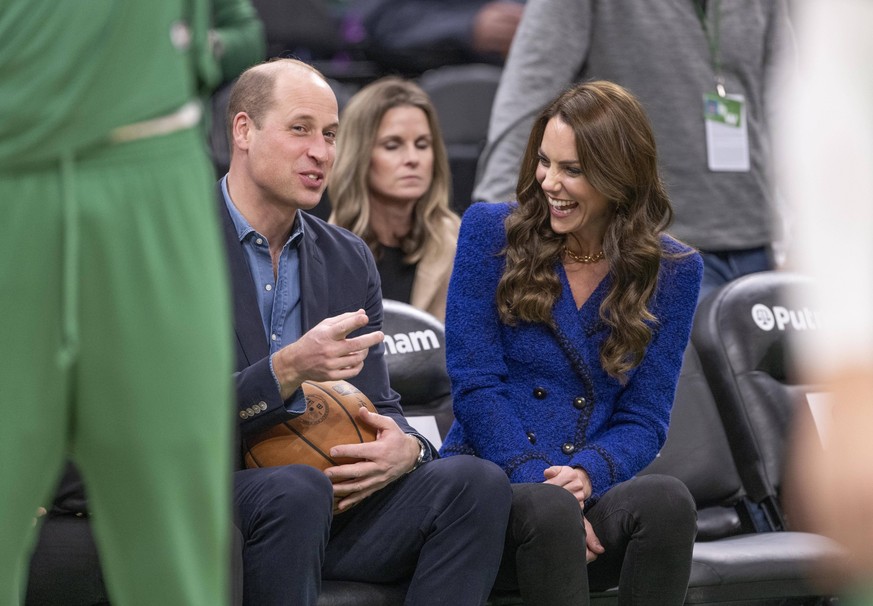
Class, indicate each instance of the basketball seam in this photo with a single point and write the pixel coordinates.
(348, 414)
(311, 445)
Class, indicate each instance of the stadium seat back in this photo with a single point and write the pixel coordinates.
(743, 333)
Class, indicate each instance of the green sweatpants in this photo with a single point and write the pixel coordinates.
(115, 351)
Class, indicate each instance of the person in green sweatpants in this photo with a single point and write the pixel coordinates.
(114, 310)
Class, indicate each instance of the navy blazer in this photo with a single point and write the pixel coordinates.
(337, 275)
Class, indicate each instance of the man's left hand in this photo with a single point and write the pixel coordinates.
(390, 456)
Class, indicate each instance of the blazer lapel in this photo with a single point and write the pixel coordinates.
(313, 277)
(247, 320)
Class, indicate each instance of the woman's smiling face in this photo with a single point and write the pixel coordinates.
(575, 206)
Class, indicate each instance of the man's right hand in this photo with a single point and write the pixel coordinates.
(324, 353)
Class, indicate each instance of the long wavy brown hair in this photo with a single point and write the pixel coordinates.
(349, 189)
(616, 149)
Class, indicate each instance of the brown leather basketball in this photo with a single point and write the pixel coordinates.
(330, 419)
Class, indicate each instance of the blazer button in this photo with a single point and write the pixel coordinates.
(579, 402)
(568, 449)
(531, 437)
(539, 393)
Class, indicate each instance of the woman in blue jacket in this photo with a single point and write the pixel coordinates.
(568, 315)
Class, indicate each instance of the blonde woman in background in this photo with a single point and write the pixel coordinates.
(397, 197)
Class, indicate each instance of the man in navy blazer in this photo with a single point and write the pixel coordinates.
(308, 306)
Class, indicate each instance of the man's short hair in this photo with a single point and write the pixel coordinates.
(253, 91)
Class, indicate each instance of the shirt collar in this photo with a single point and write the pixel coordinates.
(245, 230)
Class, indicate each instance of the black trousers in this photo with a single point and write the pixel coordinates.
(647, 526)
(440, 529)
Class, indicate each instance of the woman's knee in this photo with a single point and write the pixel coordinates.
(545, 511)
(668, 501)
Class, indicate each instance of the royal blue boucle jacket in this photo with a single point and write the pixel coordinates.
(527, 402)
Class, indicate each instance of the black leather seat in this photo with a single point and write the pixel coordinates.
(697, 452)
(463, 96)
(742, 332)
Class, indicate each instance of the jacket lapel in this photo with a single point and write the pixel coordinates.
(247, 321)
(313, 276)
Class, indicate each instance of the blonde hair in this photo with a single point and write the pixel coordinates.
(616, 149)
(348, 185)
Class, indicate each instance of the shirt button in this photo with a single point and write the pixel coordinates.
(539, 393)
(268, 287)
(531, 437)
(273, 337)
(568, 449)
(579, 402)
(259, 241)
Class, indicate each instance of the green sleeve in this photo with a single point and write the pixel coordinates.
(239, 34)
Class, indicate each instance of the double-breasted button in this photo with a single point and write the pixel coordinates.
(579, 402)
(531, 437)
(568, 448)
(539, 393)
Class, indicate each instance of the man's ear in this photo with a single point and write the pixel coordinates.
(240, 131)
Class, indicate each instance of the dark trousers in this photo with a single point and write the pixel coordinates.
(647, 526)
(440, 529)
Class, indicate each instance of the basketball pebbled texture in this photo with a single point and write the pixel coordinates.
(330, 419)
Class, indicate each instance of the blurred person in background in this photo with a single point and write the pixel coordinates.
(416, 35)
(65, 565)
(707, 73)
(827, 139)
(116, 340)
(397, 197)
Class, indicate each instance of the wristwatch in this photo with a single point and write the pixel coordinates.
(422, 454)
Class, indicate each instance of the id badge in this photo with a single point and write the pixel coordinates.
(727, 134)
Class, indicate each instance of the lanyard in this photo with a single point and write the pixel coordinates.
(712, 37)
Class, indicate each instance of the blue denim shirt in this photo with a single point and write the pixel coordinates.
(278, 296)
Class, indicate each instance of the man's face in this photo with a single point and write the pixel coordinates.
(290, 154)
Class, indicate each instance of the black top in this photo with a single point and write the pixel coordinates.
(397, 276)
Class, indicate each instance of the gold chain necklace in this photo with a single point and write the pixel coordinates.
(584, 258)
